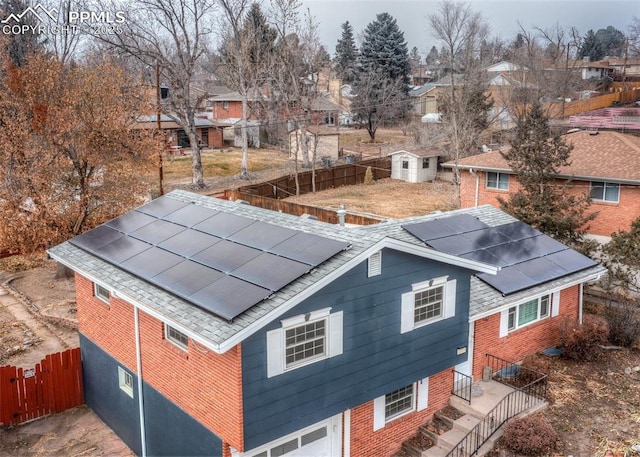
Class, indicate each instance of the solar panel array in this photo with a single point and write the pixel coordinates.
(526, 256)
(221, 262)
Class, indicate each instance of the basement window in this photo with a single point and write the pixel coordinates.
(125, 381)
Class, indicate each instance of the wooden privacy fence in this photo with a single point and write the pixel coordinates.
(326, 178)
(55, 384)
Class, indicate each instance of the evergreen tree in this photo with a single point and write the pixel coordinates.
(415, 55)
(384, 50)
(382, 78)
(432, 57)
(591, 47)
(611, 41)
(346, 55)
(536, 157)
(20, 46)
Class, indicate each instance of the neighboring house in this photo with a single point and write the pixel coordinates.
(209, 134)
(423, 100)
(324, 111)
(604, 164)
(229, 106)
(324, 139)
(417, 165)
(209, 327)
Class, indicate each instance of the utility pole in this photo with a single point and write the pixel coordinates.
(160, 132)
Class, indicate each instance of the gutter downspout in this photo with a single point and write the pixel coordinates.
(143, 442)
(580, 303)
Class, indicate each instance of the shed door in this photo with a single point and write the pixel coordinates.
(405, 170)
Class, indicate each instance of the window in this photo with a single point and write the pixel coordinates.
(225, 105)
(125, 381)
(375, 264)
(428, 302)
(425, 162)
(101, 292)
(176, 337)
(605, 191)
(304, 339)
(413, 397)
(529, 312)
(405, 164)
(497, 181)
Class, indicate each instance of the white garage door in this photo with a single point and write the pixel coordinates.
(320, 440)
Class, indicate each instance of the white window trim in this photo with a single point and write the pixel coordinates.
(123, 375)
(96, 292)
(374, 264)
(497, 186)
(276, 353)
(552, 311)
(420, 402)
(604, 191)
(172, 340)
(407, 317)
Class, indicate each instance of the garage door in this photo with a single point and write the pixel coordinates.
(320, 440)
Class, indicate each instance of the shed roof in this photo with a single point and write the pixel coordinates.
(417, 152)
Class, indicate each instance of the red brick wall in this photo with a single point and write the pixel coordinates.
(233, 110)
(612, 217)
(525, 341)
(208, 386)
(388, 440)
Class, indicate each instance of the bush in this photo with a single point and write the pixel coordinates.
(580, 341)
(530, 435)
(623, 318)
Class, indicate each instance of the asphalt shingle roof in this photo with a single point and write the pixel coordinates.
(220, 334)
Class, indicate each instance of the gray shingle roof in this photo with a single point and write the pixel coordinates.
(220, 334)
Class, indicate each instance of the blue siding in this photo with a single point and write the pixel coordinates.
(169, 430)
(377, 358)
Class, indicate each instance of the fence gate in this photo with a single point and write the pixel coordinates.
(55, 384)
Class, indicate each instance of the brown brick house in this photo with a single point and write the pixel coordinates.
(605, 164)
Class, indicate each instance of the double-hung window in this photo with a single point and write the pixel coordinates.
(529, 312)
(428, 302)
(605, 191)
(405, 400)
(498, 181)
(304, 339)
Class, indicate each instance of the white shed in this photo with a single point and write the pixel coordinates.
(414, 166)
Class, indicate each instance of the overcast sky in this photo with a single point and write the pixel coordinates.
(503, 16)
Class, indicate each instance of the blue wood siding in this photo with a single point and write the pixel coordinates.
(169, 431)
(377, 358)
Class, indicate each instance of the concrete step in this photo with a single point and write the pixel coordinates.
(466, 423)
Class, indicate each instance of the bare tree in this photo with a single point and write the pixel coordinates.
(634, 37)
(172, 34)
(462, 31)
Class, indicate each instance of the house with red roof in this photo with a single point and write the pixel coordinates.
(604, 164)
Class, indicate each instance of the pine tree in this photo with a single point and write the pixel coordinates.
(384, 50)
(536, 157)
(433, 57)
(591, 47)
(346, 55)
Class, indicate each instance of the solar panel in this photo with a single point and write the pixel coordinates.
(223, 224)
(261, 235)
(309, 248)
(190, 215)
(160, 207)
(228, 296)
(270, 271)
(157, 232)
(187, 278)
(226, 256)
(525, 255)
(221, 262)
(130, 221)
(151, 261)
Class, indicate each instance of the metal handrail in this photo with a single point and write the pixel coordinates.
(521, 399)
(462, 384)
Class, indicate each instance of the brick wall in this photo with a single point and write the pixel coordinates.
(612, 217)
(388, 440)
(208, 386)
(525, 341)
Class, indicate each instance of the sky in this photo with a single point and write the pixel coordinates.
(502, 16)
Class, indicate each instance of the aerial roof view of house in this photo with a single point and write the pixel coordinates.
(604, 164)
(211, 327)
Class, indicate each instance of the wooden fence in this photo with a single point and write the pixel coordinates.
(325, 178)
(591, 104)
(55, 384)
